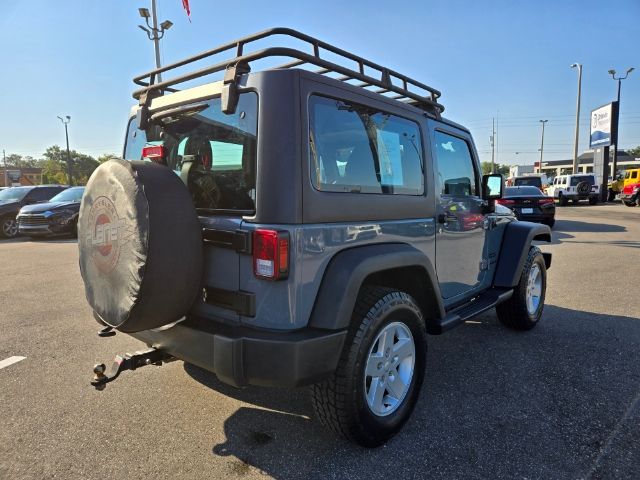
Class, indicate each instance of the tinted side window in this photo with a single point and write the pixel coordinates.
(41, 194)
(358, 149)
(455, 172)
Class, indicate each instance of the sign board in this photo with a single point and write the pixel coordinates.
(14, 175)
(604, 126)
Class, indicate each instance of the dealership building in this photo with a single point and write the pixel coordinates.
(585, 164)
(20, 176)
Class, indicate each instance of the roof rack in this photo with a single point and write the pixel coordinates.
(370, 75)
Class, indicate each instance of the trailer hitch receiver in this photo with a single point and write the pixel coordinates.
(127, 361)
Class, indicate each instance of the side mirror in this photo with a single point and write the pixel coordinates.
(492, 186)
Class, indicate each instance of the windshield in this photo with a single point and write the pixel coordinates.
(582, 178)
(69, 195)
(218, 149)
(14, 194)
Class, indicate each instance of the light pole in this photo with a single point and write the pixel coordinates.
(542, 141)
(575, 143)
(66, 121)
(153, 32)
(614, 167)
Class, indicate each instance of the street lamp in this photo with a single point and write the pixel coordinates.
(612, 72)
(65, 122)
(153, 32)
(575, 143)
(542, 142)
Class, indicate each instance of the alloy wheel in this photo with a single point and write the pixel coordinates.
(389, 369)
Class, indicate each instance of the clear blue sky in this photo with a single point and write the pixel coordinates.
(489, 58)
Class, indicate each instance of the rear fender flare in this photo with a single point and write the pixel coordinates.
(349, 269)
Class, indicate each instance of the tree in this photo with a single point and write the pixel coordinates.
(54, 166)
(486, 168)
(106, 157)
(634, 152)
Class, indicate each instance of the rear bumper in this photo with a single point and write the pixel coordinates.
(536, 217)
(242, 356)
(575, 196)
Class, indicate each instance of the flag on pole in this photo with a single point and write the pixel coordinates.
(185, 5)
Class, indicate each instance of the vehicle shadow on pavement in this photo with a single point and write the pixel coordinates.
(575, 226)
(549, 403)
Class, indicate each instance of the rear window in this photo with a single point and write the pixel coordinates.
(582, 178)
(222, 147)
(516, 191)
(533, 181)
(359, 149)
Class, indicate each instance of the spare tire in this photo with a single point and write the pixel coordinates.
(140, 245)
(583, 188)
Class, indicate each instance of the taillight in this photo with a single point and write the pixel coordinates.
(270, 254)
(504, 201)
(545, 201)
(154, 152)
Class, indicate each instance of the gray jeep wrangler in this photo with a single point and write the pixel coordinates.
(307, 223)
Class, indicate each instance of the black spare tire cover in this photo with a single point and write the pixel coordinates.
(583, 188)
(140, 245)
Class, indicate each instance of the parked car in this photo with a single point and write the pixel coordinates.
(246, 263)
(614, 187)
(529, 203)
(533, 180)
(630, 195)
(574, 188)
(14, 198)
(58, 216)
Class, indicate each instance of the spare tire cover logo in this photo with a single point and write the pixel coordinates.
(107, 233)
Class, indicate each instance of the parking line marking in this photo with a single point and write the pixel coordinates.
(10, 361)
(606, 448)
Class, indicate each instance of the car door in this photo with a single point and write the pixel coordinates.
(460, 236)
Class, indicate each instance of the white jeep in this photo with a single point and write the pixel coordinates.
(574, 188)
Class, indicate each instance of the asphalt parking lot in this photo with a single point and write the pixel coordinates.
(561, 401)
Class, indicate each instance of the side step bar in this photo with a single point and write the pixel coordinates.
(484, 302)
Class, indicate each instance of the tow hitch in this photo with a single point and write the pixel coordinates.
(128, 361)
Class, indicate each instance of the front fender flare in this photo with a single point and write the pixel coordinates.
(515, 248)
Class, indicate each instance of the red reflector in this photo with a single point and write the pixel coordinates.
(504, 201)
(270, 254)
(155, 152)
(544, 201)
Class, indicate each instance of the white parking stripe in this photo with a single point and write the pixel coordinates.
(10, 361)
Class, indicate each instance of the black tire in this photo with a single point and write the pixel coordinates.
(593, 200)
(583, 188)
(629, 204)
(514, 312)
(339, 401)
(562, 200)
(550, 223)
(8, 227)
